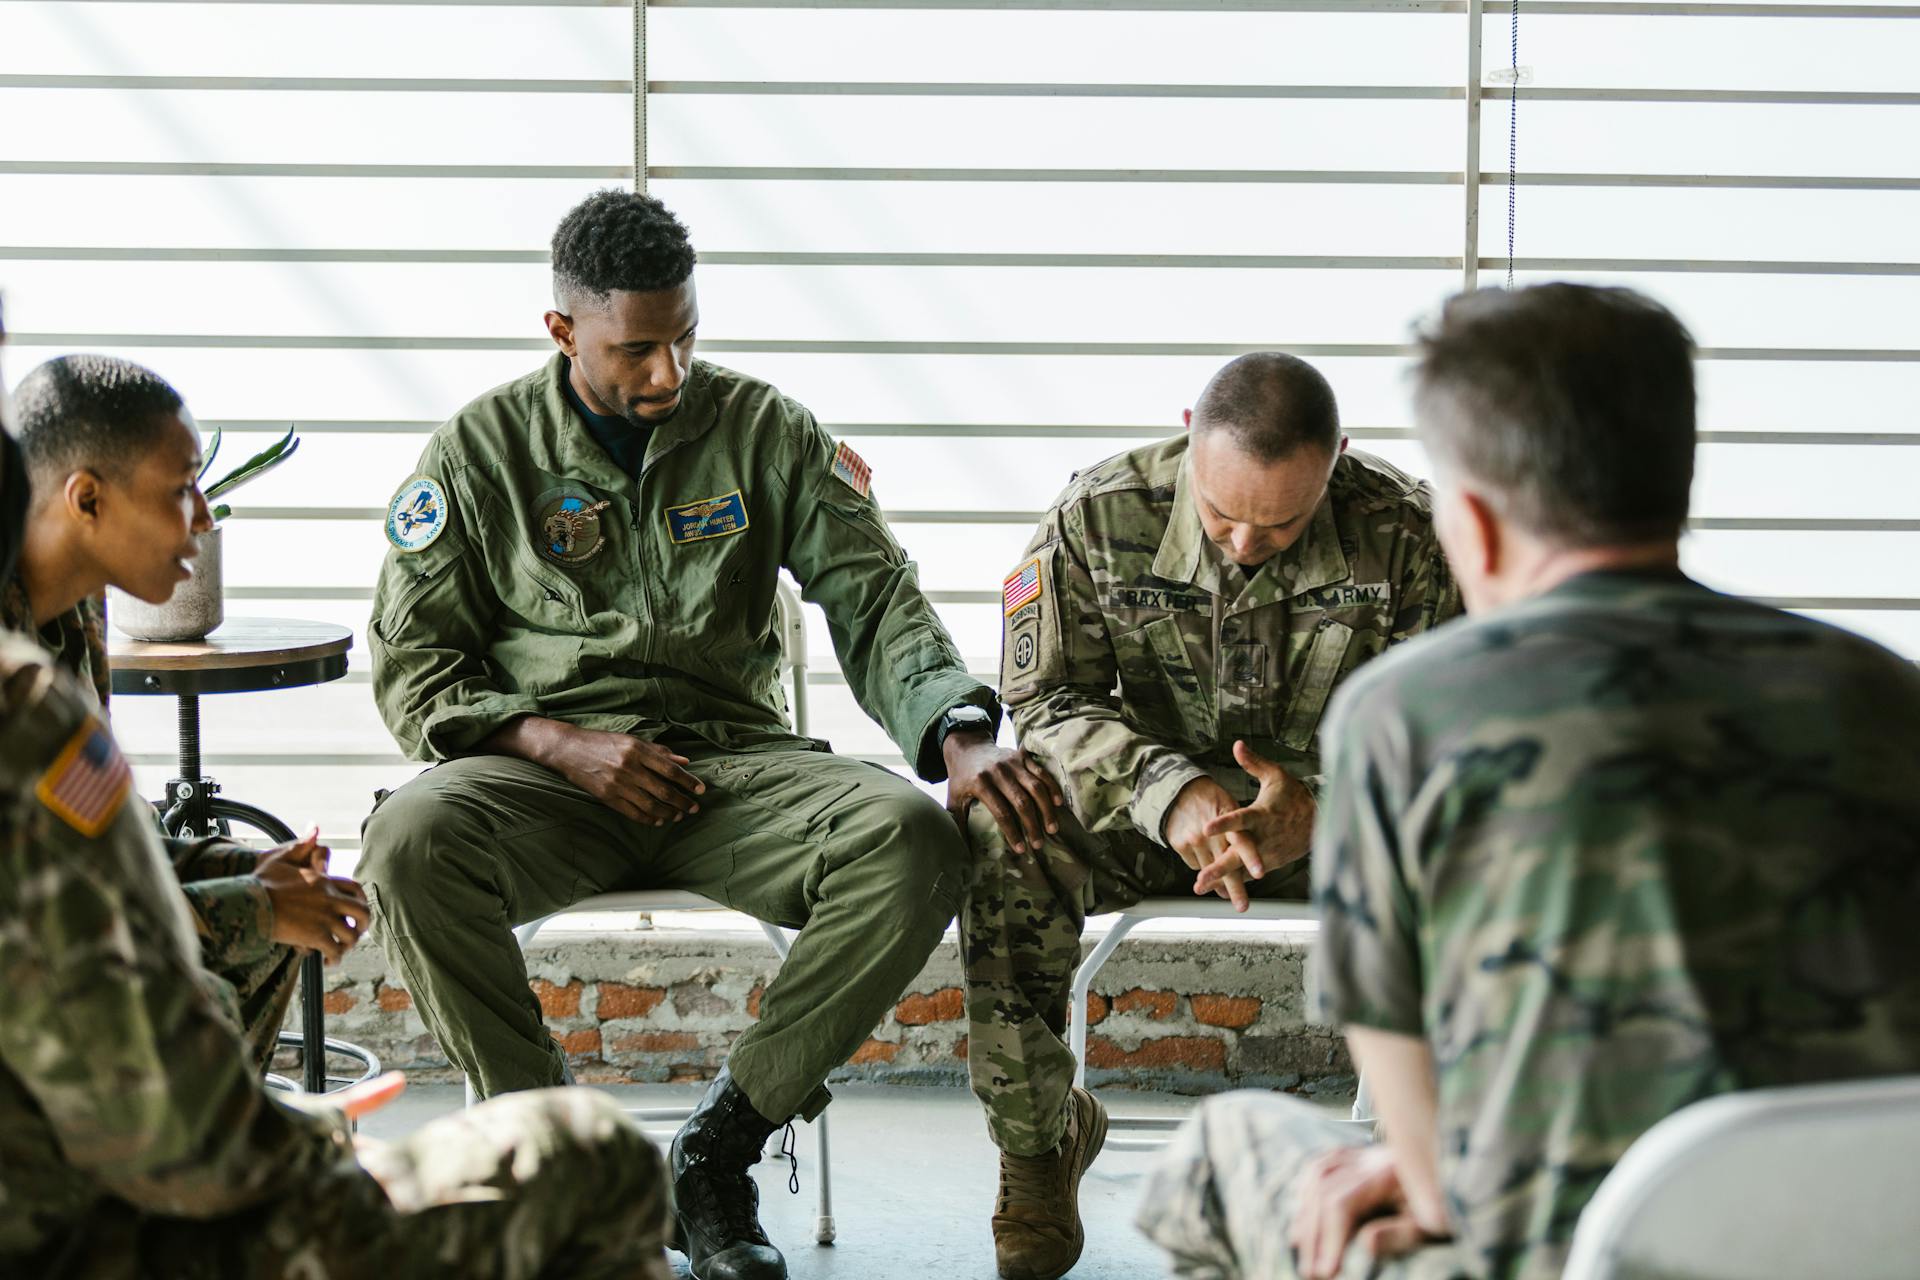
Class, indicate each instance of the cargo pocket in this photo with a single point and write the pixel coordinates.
(1313, 684)
(1160, 691)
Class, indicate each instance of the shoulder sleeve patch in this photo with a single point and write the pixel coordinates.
(418, 514)
(850, 469)
(1021, 588)
(88, 781)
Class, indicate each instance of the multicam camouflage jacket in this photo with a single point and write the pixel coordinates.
(1134, 654)
(123, 1082)
(232, 914)
(1610, 851)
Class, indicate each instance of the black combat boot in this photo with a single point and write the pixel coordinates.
(716, 1203)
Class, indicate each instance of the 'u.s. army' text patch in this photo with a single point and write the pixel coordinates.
(87, 782)
(852, 470)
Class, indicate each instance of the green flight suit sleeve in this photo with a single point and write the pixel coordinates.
(1059, 676)
(898, 658)
(232, 914)
(105, 1015)
(433, 618)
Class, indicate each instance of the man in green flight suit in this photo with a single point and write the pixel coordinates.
(1172, 636)
(576, 619)
(139, 1141)
(112, 454)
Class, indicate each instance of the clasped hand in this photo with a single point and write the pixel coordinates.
(1228, 843)
(311, 909)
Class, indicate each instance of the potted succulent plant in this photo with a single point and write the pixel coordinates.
(198, 605)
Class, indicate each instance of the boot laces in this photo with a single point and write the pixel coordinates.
(1030, 1178)
(793, 1160)
(735, 1200)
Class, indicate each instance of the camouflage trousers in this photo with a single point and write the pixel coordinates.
(1221, 1198)
(537, 1186)
(1020, 928)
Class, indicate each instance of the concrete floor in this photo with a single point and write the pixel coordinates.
(913, 1183)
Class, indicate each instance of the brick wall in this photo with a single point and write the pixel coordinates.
(1174, 1013)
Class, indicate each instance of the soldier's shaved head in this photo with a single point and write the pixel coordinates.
(1572, 405)
(1272, 404)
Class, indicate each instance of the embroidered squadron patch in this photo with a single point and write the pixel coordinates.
(87, 782)
(852, 470)
(1021, 588)
(708, 518)
(569, 525)
(417, 515)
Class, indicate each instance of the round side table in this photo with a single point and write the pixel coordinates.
(244, 655)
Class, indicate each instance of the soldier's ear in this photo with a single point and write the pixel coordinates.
(81, 495)
(560, 329)
(1490, 547)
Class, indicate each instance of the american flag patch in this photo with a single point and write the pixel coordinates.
(852, 470)
(88, 781)
(1021, 588)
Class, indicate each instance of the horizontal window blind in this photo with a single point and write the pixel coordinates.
(987, 242)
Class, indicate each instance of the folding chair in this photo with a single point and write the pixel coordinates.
(793, 658)
(1156, 1128)
(1817, 1180)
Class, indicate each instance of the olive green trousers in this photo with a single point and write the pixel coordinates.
(867, 867)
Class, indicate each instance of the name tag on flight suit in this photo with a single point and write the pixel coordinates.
(708, 518)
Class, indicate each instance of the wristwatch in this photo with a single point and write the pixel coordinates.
(965, 716)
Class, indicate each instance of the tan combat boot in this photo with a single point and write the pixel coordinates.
(1036, 1221)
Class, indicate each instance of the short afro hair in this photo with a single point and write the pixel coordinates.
(1272, 404)
(90, 412)
(618, 241)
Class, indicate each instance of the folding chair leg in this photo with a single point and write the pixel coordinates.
(823, 1229)
(1077, 999)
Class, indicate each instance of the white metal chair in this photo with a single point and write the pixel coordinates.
(793, 658)
(1156, 1128)
(1818, 1180)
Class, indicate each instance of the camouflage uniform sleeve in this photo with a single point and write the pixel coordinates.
(1427, 594)
(1365, 967)
(232, 914)
(899, 660)
(433, 620)
(1059, 674)
(105, 1017)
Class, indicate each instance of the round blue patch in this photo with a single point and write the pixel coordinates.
(417, 514)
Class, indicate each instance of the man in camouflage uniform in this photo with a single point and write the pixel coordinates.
(1171, 637)
(1620, 845)
(135, 1137)
(576, 621)
(112, 453)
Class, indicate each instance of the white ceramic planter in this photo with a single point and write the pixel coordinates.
(197, 607)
